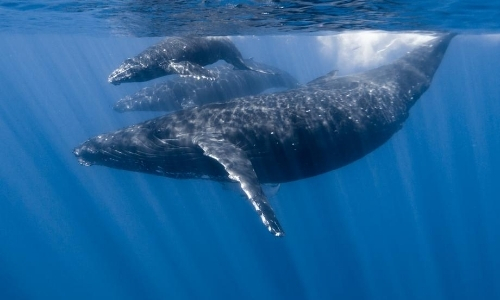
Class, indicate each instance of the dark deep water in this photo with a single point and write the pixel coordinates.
(416, 219)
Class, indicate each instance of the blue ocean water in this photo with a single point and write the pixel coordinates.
(416, 219)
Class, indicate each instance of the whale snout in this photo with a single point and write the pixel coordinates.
(123, 105)
(125, 73)
(86, 153)
(122, 74)
(113, 81)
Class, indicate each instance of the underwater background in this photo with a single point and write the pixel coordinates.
(418, 218)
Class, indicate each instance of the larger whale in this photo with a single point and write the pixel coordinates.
(189, 91)
(178, 55)
(274, 138)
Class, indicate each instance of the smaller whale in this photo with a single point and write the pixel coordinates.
(189, 91)
(178, 55)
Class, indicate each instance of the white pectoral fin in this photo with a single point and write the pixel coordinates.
(324, 78)
(186, 68)
(239, 168)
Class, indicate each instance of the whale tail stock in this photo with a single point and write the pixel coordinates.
(427, 58)
(421, 64)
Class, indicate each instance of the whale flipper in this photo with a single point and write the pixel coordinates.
(239, 168)
(186, 68)
(325, 78)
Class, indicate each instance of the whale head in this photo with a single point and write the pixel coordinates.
(109, 149)
(137, 69)
(123, 149)
(126, 72)
(148, 148)
(87, 154)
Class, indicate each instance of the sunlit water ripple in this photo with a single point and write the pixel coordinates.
(167, 18)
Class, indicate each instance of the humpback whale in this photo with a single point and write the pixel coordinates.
(275, 138)
(178, 55)
(188, 91)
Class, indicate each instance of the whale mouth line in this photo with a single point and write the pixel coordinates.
(113, 81)
(82, 161)
(123, 73)
(117, 78)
